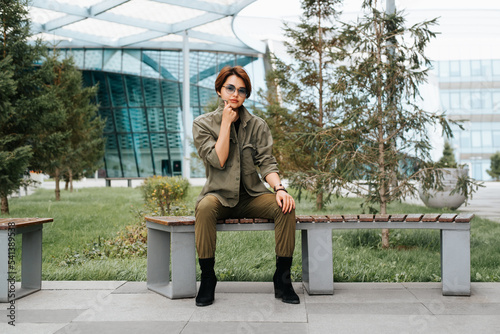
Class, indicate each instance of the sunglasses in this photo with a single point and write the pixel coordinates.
(231, 89)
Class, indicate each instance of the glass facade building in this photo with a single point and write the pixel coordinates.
(470, 91)
(140, 97)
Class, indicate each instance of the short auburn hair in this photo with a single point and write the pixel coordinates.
(226, 72)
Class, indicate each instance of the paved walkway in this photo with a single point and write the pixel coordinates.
(128, 307)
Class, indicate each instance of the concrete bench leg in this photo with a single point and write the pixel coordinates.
(317, 261)
(31, 264)
(455, 262)
(180, 247)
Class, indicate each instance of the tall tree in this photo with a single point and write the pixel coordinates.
(382, 141)
(21, 107)
(494, 170)
(303, 86)
(73, 143)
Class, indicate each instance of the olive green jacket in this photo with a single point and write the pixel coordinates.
(251, 148)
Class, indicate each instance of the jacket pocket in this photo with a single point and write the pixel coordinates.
(247, 159)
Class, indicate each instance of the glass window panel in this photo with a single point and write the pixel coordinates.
(444, 69)
(465, 68)
(445, 100)
(171, 65)
(225, 59)
(174, 140)
(465, 139)
(173, 118)
(159, 143)
(117, 91)
(476, 100)
(112, 60)
(150, 64)
(127, 155)
(134, 91)
(156, 120)
(487, 139)
(102, 93)
(475, 68)
(496, 100)
(476, 138)
(486, 67)
(454, 68)
(193, 67)
(207, 96)
(132, 62)
(138, 119)
(465, 99)
(143, 153)
(476, 170)
(496, 67)
(121, 120)
(196, 112)
(152, 92)
(496, 139)
(93, 59)
(486, 100)
(108, 117)
(78, 57)
(455, 100)
(195, 99)
(171, 94)
(111, 157)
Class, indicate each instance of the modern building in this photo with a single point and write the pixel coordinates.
(470, 92)
(155, 62)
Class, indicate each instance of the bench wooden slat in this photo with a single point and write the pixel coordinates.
(382, 218)
(447, 217)
(304, 219)
(22, 222)
(172, 220)
(350, 218)
(413, 217)
(398, 218)
(246, 220)
(430, 217)
(366, 218)
(262, 220)
(335, 218)
(464, 218)
(232, 221)
(320, 219)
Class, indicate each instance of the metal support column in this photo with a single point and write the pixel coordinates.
(186, 109)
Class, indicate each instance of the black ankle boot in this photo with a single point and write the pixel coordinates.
(206, 294)
(282, 282)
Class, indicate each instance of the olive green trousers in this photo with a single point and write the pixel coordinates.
(209, 210)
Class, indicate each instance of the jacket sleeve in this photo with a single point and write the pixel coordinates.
(264, 152)
(204, 141)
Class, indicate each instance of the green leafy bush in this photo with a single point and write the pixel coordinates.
(163, 194)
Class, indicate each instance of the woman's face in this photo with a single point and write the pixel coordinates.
(233, 91)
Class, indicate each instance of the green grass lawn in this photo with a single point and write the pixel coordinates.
(92, 215)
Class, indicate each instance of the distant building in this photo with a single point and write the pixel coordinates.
(470, 91)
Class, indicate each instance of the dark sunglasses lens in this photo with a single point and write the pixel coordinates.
(230, 89)
(242, 92)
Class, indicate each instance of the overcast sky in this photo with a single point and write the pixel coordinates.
(468, 29)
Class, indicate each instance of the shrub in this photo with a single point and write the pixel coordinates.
(162, 193)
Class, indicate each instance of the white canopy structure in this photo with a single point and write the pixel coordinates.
(149, 24)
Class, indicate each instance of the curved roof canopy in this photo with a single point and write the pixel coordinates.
(152, 24)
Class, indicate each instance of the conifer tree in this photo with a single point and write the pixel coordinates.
(22, 99)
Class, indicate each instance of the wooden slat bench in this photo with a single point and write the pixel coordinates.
(171, 242)
(31, 256)
(129, 180)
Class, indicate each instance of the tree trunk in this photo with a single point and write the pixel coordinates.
(66, 185)
(385, 231)
(5, 205)
(57, 179)
(70, 177)
(319, 201)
